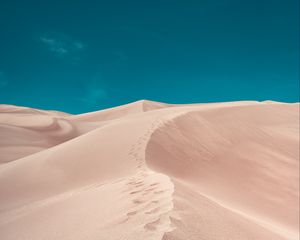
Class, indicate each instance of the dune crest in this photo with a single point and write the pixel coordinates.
(149, 170)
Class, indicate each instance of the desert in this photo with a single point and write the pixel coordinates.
(151, 170)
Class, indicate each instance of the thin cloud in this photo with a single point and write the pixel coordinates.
(95, 96)
(78, 45)
(54, 46)
(61, 44)
(95, 92)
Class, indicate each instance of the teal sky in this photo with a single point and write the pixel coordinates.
(82, 55)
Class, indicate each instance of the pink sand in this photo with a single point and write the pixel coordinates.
(150, 170)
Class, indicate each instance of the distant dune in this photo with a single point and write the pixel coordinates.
(150, 170)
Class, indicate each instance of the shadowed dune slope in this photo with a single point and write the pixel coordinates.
(244, 158)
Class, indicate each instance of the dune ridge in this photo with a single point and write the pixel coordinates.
(150, 170)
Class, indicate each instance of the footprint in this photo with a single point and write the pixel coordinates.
(158, 192)
(135, 192)
(149, 189)
(152, 225)
(155, 210)
(139, 185)
(130, 183)
(137, 201)
(138, 182)
(124, 220)
(153, 184)
(131, 213)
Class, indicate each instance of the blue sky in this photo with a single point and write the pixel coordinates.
(79, 56)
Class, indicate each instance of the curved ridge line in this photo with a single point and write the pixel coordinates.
(275, 229)
(167, 117)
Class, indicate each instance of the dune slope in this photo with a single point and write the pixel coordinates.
(151, 170)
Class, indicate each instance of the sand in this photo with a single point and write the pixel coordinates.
(150, 170)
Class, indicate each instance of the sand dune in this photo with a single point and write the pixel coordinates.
(150, 170)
